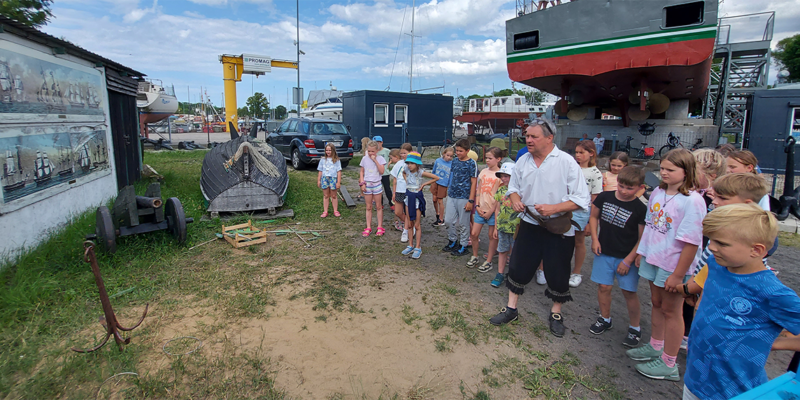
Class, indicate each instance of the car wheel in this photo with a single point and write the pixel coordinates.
(297, 163)
(345, 163)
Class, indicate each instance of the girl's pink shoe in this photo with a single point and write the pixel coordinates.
(323, 215)
(366, 232)
(336, 214)
(380, 232)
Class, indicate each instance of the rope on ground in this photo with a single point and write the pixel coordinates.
(199, 345)
(112, 377)
(257, 151)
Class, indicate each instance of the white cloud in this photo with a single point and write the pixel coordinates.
(466, 58)
(383, 19)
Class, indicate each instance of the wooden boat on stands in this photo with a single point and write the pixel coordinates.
(244, 174)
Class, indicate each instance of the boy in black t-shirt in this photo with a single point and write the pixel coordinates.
(620, 216)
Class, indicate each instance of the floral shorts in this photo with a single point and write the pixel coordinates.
(328, 182)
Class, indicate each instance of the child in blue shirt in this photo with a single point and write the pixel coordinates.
(744, 308)
(441, 168)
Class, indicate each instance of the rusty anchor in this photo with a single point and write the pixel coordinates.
(109, 320)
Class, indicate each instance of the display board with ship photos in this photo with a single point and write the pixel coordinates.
(53, 129)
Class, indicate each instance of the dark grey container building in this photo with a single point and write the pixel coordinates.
(428, 118)
(773, 115)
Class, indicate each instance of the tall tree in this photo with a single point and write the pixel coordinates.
(280, 112)
(243, 112)
(787, 55)
(33, 13)
(258, 105)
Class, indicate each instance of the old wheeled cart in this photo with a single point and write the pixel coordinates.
(132, 215)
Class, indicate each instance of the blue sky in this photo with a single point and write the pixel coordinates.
(353, 44)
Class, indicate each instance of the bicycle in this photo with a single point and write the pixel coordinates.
(644, 153)
(674, 142)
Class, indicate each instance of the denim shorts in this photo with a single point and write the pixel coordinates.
(504, 241)
(655, 274)
(483, 221)
(604, 270)
(581, 217)
(328, 182)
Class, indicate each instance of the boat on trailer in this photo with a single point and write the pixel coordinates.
(629, 58)
(244, 174)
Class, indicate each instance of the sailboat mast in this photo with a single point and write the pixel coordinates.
(411, 74)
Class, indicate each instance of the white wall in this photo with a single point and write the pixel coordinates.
(24, 228)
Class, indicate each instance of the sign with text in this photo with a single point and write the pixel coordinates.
(256, 63)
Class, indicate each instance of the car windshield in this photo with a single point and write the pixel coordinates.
(332, 128)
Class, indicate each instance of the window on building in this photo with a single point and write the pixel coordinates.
(400, 114)
(684, 14)
(381, 111)
(517, 101)
(526, 40)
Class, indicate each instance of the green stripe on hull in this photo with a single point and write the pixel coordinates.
(600, 46)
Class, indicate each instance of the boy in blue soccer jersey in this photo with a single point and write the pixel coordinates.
(744, 306)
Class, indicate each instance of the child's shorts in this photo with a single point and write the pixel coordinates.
(581, 217)
(373, 187)
(328, 182)
(438, 191)
(400, 197)
(483, 221)
(654, 274)
(504, 241)
(604, 270)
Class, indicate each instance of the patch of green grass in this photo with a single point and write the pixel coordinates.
(48, 294)
(557, 380)
(444, 344)
(452, 290)
(789, 239)
(445, 315)
(409, 315)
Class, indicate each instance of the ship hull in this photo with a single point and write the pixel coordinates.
(500, 122)
(601, 54)
(677, 70)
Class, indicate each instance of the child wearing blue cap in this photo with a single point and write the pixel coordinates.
(415, 199)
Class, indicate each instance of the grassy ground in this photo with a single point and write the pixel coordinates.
(49, 303)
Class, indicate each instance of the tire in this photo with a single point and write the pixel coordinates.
(478, 150)
(663, 151)
(105, 230)
(297, 163)
(176, 219)
(345, 163)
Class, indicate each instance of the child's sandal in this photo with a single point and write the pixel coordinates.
(323, 215)
(366, 232)
(336, 214)
(380, 232)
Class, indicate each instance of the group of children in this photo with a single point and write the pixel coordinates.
(702, 231)
(705, 231)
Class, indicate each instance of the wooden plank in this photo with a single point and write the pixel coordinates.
(346, 197)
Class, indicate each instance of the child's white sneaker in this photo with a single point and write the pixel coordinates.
(575, 280)
(404, 236)
(540, 277)
(473, 261)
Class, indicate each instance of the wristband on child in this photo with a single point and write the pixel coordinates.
(625, 264)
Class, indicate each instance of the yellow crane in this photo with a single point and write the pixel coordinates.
(234, 66)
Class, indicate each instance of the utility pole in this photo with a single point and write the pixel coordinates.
(411, 77)
(299, 100)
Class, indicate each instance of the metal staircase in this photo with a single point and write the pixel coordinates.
(740, 67)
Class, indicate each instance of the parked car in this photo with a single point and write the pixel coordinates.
(303, 140)
(181, 128)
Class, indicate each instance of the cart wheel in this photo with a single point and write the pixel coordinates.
(104, 228)
(176, 219)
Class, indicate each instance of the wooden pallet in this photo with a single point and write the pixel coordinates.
(238, 239)
(346, 197)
